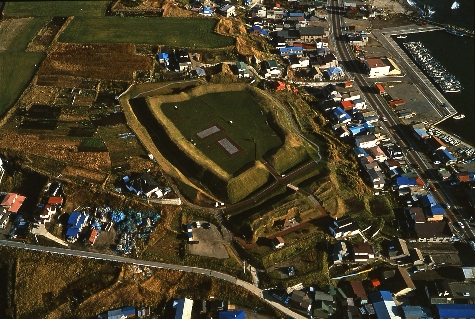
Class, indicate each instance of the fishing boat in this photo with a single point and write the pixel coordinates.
(401, 36)
(458, 117)
(454, 32)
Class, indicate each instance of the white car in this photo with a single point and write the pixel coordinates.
(436, 162)
(461, 225)
(447, 205)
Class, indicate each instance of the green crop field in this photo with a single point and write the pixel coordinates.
(55, 8)
(162, 31)
(16, 71)
(248, 129)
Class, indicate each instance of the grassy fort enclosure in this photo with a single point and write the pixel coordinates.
(220, 135)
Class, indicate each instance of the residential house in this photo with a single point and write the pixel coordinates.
(273, 69)
(334, 73)
(344, 227)
(324, 304)
(243, 70)
(341, 130)
(162, 57)
(256, 29)
(291, 51)
(446, 157)
(183, 308)
(143, 184)
(120, 313)
(366, 141)
(330, 92)
(384, 305)
(278, 242)
(401, 283)
(232, 314)
(350, 95)
(207, 11)
(358, 292)
(340, 116)
(359, 105)
(183, 59)
(359, 129)
(434, 232)
(454, 311)
(397, 249)
(76, 222)
(311, 34)
(325, 60)
(464, 177)
(376, 67)
(296, 62)
(416, 312)
(12, 202)
(360, 152)
(362, 252)
(377, 154)
(434, 143)
(228, 10)
(347, 105)
(434, 213)
(300, 301)
(50, 209)
(340, 251)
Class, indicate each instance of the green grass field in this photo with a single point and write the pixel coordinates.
(161, 31)
(248, 130)
(16, 71)
(55, 8)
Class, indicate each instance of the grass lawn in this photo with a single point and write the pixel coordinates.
(55, 8)
(161, 31)
(16, 70)
(248, 131)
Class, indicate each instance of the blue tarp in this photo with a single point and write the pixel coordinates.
(73, 218)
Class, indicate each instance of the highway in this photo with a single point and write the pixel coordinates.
(393, 127)
(125, 260)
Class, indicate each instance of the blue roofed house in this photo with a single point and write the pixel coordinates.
(257, 30)
(76, 223)
(454, 311)
(288, 51)
(446, 157)
(384, 305)
(120, 313)
(427, 201)
(162, 57)
(404, 181)
(434, 213)
(341, 116)
(232, 314)
(207, 11)
(335, 73)
(183, 308)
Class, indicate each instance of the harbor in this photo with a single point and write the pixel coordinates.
(446, 81)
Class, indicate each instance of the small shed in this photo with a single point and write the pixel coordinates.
(278, 242)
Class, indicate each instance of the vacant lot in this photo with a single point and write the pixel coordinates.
(210, 243)
(16, 69)
(249, 134)
(164, 31)
(98, 61)
(55, 8)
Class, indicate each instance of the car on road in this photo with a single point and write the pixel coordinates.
(460, 224)
(453, 183)
(436, 162)
(287, 299)
(447, 205)
(384, 119)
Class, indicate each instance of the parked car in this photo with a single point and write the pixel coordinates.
(436, 162)
(461, 225)
(206, 225)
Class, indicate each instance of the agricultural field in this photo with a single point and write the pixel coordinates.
(55, 8)
(96, 61)
(18, 77)
(193, 32)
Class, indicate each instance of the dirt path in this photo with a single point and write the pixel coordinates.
(41, 230)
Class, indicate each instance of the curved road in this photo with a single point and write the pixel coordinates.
(207, 272)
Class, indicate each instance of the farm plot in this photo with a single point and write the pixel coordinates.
(18, 77)
(55, 8)
(243, 137)
(174, 32)
(98, 61)
(15, 34)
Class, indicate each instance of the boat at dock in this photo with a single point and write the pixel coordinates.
(458, 117)
(422, 56)
(401, 36)
(454, 32)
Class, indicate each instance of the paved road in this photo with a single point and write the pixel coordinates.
(207, 272)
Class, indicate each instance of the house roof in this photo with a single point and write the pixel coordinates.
(234, 314)
(432, 229)
(183, 308)
(278, 240)
(358, 290)
(456, 310)
(312, 31)
(17, 204)
(55, 200)
(9, 199)
(384, 305)
(375, 63)
(362, 248)
(348, 103)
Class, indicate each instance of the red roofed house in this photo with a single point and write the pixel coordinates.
(376, 67)
(347, 105)
(49, 210)
(12, 202)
